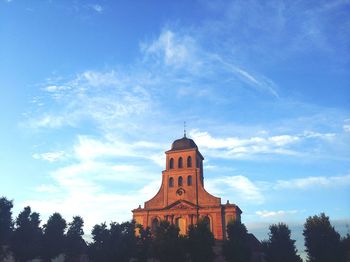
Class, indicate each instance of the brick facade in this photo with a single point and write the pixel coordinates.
(182, 198)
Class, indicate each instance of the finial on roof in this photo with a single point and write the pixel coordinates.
(184, 128)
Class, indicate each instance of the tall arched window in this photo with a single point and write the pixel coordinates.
(206, 220)
(180, 163)
(155, 224)
(171, 163)
(171, 182)
(197, 163)
(189, 161)
(189, 180)
(179, 182)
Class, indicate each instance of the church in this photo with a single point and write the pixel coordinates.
(182, 198)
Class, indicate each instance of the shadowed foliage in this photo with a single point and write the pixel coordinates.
(322, 242)
(168, 246)
(115, 244)
(6, 225)
(200, 242)
(279, 246)
(75, 244)
(144, 244)
(27, 236)
(345, 244)
(54, 237)
(236, 248)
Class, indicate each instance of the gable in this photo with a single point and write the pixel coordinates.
(181, 204)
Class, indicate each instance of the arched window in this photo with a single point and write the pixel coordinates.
(206, 220)
(171, 182)
(189, 180)
(179, 182)
(180, 163)
(189, 161)
(155, 224)
(171, 163)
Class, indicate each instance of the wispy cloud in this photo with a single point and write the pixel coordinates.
(314, 182)
(263, 83)
(243, 189)
(50, 156)
(346, 126)
(172, 49)
(96, 7)
(280, 214)
(238, 147)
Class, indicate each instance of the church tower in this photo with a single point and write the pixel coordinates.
(182, 198)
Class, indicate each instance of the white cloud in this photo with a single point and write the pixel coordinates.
(262, 83)
(47, 189)
(280, 214)
(313, 182)
(88, 148)
(98, 8)
(346, 126)
(55, 88)
(234, 147)
(50, 156)
(103, 97)
(176, 50)
(248, 147)
(48, 121)
(240, 186)
(311, 134)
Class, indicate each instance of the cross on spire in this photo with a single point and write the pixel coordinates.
(184, 128)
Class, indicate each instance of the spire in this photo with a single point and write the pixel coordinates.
(184, 128)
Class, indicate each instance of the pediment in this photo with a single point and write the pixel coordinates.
(181, 204)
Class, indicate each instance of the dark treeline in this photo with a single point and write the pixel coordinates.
(25, 239)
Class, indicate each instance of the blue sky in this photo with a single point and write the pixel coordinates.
(94, 92)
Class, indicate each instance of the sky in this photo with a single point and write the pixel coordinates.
(94, 92)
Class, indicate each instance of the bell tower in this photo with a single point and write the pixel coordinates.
(182, 198)
(184, 171)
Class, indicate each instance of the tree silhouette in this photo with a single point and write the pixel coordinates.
(115, 244)
(143, 244)
(6, 225)
(280, 247)
(123, 240)
(54, 238)
(345, 244)
(75, 244)
(200, 242)
(322, 242)
(236, 248)
(98, 249)
(167, 245)
(26, 241)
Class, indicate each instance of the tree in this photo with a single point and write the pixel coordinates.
(345, 244)
(115, 244)
(200, 242)
(27, 236)
(167, 245)
(322, 242)
(75, 244)
(6, 225)
(144, 244)
(54, 238)
(123, 241)
(236, 248)
(98, 250)
(280, 247)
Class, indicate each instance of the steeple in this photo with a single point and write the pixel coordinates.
(184, 128)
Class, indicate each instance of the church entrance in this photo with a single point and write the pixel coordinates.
(181, 223)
